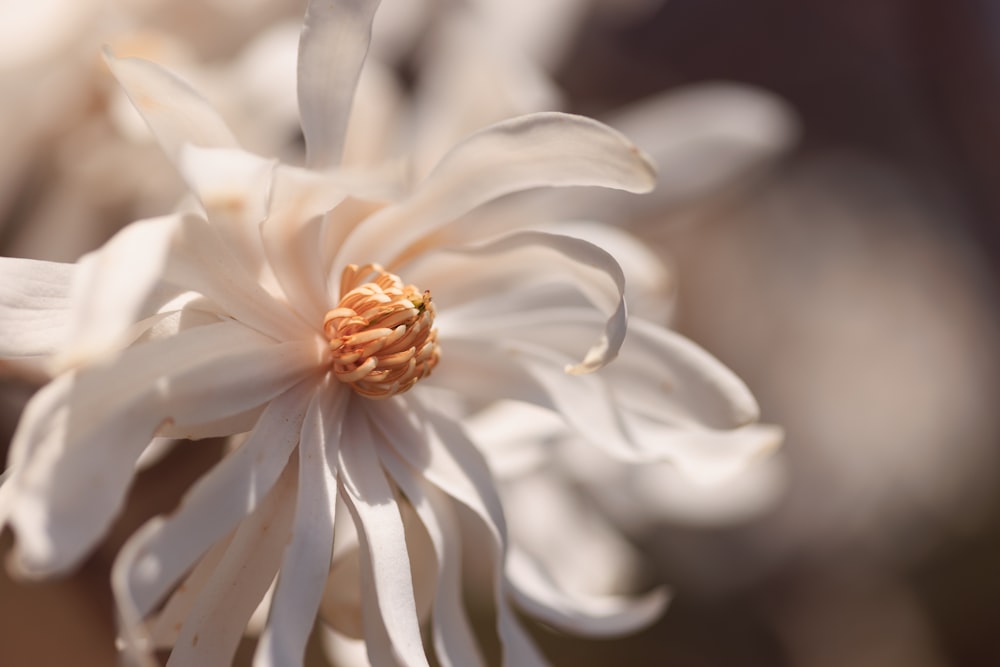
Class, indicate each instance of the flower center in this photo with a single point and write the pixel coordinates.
(381, 333)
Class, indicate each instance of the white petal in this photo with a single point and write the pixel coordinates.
(454, 639)
(592, 616)
(218, 619)
(544, 149)
(113, 286)
(380, 529)
(534, 374)
(201, 261)
(175, 112)
(650, 284)
(76, 446)
(660, 372)
(706, 456)
(34, 306)
(572, 254)
(704, 138)
(343, 651)
(234, 189)
(438, 448)
(469, 79)
(165, 627)
(332, 49)
(306, 563)
(167, 546)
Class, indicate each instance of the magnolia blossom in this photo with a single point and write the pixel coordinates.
(320, 312)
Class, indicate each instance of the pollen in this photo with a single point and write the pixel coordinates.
(381, 334)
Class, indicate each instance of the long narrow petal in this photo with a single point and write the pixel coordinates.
(176, 113)
(165, 626)
(607, 616)
(306, 563)
(380, 530)
(34, 306)
(218, 619)
(167, 546)
(571, 255)
(440, 451)
(543, 149)
(77, 444)
(454, 639)
(332, 49)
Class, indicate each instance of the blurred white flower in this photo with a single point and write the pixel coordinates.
(275, 308)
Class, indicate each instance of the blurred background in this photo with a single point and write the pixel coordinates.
(848, 272)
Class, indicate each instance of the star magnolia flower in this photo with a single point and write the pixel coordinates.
(316, 311)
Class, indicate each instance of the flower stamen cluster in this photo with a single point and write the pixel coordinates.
(381, 333)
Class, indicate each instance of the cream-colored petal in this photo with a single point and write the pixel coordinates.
(175, 112)
(165, 547)
(543, 149)
(454, 640)
(115, 287)
(76, 446)
(213, 629)
(536, 593)
(384, 558)
(306, 563)
(589, 266)
(332, 49)
(35, 306)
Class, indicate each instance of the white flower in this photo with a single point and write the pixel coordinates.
(277, 309)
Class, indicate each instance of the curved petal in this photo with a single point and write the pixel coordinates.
(332, 49)
(535, 593)
(213, 629)
(571, 254)
(454, 639)
(660, 370)
(437, 448)
(175, 112)
(706, 456)
(166, 547)
(35, 302)
(234, 188)
(543, 149)
(522, 371)
(113, 287)
(373, 505)
(76, 446)
(306, 563)
(201, 261)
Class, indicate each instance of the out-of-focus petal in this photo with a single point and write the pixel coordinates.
(542, 149)
(112, 289)
(176, 112)
(306, 562)
(469, 78)
(332, 49)
(213, 629)
(373, 505)
(707, 456)
(165, 547)
(35, 312)
(76, 446)
(703, 138)
(535, 593)
(661, 373)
